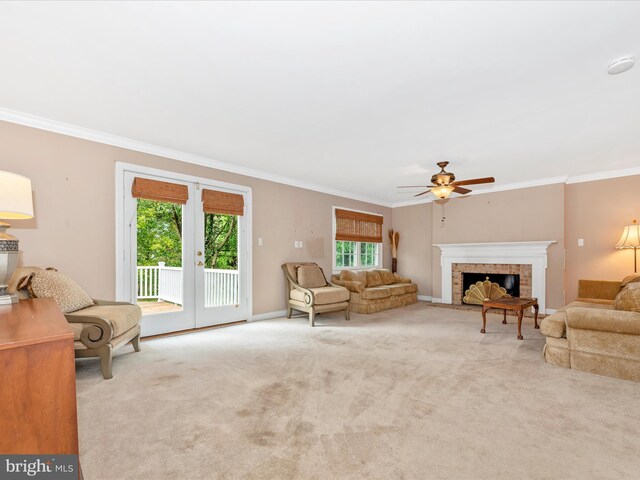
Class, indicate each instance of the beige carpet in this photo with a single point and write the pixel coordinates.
(414, 393)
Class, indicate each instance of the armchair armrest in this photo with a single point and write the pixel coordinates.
(309, 297)
(109, 302)
(98, 331)
(615, 321)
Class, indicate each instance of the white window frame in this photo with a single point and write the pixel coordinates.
(357, 266)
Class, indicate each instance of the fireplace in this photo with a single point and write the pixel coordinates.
(510, 282)
(527, 259)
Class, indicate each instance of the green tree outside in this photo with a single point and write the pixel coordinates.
(160, 236)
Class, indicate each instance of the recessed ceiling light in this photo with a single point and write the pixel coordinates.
(621, 65)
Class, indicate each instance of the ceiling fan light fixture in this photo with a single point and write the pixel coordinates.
(442, 191)
(621, 65)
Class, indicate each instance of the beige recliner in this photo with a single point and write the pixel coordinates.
(98, 330)
(330, 298)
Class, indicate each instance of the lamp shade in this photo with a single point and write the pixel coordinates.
(15, 196)
(630, 236)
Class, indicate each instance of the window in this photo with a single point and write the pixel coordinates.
(358, 239)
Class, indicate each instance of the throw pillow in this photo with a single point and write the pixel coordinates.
(629, 298)
(630, 279)
(386, 276)
(354, 276)
(373, 279)
(310, 276)
(69, 296)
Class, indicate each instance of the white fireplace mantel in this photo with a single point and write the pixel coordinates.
(532, 253)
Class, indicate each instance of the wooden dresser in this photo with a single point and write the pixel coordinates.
(37, 380)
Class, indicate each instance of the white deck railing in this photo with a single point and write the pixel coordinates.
(165, 284)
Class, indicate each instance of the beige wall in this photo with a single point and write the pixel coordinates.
(414, 251)
(597, 212)
(74, 226)
(516, 215)
(525, 214)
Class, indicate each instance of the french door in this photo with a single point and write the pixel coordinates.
(185, 251)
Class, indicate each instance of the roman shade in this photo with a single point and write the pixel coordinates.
(358, 227)
(214, 201)
(159, 191)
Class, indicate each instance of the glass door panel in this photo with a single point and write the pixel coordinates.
(218, 278)
(159, 273)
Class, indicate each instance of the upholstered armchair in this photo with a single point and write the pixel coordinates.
(99, 329)
(307, 290)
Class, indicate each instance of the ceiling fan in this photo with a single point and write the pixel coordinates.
(444, 183)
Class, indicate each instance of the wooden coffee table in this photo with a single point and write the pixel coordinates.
(515, 304)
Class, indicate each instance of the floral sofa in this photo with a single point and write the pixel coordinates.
(599, 332)
(373, 291)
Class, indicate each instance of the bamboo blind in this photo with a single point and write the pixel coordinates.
(225, 203)
(358, 227)
(160, 191)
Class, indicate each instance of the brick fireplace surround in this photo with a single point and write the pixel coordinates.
(457, 269)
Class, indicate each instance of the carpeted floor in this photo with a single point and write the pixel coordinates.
(414, 393)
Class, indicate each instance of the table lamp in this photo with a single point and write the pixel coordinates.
(15, 203)
(631, 239)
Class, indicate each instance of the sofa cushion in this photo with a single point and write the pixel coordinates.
(397, 289)
(310, 276)
(634, 278)
(52, 284)
(354, 276)
(410, 287)
(372, 293)
(387, 276)
(349, 285)
(373, 279)
(578, 303)
(324, 295)
(122, 317)
(629, 298)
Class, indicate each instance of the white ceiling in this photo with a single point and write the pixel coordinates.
(352, 96)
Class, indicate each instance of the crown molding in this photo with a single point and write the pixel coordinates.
(592, 177)
(70, 130)
(62, 128)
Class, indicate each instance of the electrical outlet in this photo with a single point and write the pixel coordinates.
(259, 241)
(581, 242)
(300, 243)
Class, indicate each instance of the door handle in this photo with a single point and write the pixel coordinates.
(200, 264)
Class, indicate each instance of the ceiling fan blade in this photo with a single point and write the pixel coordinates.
(412, 186)
(474, 181)
(427, 191)
(461, 191)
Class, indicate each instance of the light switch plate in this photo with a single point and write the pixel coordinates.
(581, 242)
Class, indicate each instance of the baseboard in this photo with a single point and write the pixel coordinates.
(425, 298)
(550, 311)
(436, 300)
(267, 316)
